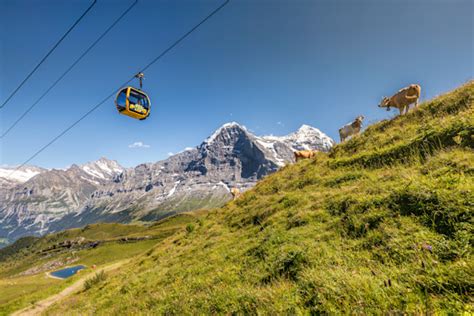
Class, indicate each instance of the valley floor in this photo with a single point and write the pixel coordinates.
(25, 286)
(77, 286)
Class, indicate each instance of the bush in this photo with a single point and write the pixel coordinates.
(340, 205)
(296, 220)
(96, 279)
(289, 201)
(356, 226)
(287, 264)
(190, 228)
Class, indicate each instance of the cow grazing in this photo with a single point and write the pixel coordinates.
(351, 128)
(304, 154)
(402, 99)
(235, 193)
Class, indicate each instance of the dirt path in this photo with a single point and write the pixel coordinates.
(42, 305)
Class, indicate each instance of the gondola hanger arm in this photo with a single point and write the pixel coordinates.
(140, 77)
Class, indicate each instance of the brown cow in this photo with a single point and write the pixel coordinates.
(352, 128)
(305, 154)
(402, 99)
(235, 192)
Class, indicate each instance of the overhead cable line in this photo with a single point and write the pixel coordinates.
(49, 53)
(95, 107)
(68, 70)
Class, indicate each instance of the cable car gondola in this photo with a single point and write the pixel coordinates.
(133, 102)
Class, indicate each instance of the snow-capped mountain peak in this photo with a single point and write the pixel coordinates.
(227, 128)
(10, 176)
(305, 138)
(308, 129)
(307, 135)
(102, 168)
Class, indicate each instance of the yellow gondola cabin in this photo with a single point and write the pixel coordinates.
(133, 102)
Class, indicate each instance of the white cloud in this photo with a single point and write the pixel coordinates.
(189, 148)
(170, 154)
(138, 145)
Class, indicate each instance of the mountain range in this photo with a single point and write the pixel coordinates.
(35, 201)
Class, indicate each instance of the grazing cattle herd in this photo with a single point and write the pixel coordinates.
(401, 100)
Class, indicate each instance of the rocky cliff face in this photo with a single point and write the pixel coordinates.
(30, 207)
(196, 178)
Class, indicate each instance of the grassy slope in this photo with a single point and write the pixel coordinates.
(19, 291)
(383, 223)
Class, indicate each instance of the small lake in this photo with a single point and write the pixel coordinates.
(67, 272)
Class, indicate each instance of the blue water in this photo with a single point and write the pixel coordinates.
(67, 272)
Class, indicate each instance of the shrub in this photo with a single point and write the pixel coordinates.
(190, 228)
(340, 205)
(289, 201)
(287, 264)
(96, 279)
(353, 227)
(296, 220)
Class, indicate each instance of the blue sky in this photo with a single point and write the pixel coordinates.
(270, 65)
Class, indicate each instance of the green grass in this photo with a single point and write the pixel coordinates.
(22, 291)
(381, 225)
(98, 278)
(19, 291)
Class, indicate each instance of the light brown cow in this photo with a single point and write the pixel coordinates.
(402, 99)
(305, 154)
(352, 128)
(235, 193)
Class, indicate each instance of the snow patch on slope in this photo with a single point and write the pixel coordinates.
(173, 190)
(270, 145)
(21, 175)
